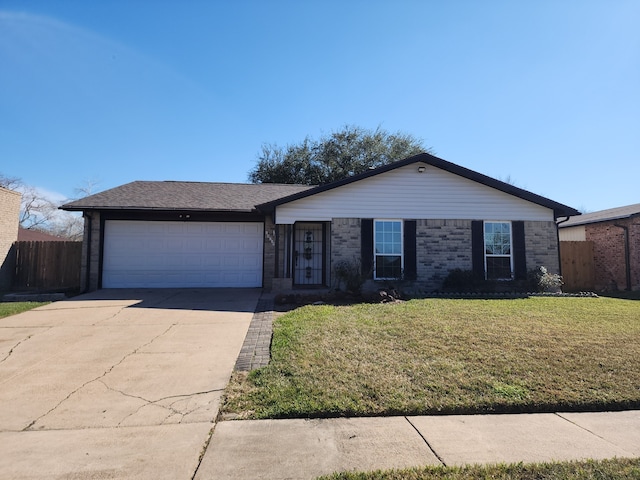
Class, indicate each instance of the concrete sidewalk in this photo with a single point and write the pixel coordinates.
(305, 449)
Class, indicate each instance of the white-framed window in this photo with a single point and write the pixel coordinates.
(388, 259)
(498, 250)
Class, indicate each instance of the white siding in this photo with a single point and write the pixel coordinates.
(573, 234)
(405, 193)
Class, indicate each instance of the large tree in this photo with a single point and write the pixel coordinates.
(338, 155)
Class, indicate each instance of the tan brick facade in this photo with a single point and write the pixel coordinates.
(9, 219)
(541, 242)
(345, 239)
(444, 245)
(441, 246)
(610, 256)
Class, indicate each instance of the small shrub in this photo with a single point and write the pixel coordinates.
(348, 272)
(465, 281)
(459, 280)
(543, 281)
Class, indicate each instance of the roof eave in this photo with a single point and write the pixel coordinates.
(600, 220)
(70, 208)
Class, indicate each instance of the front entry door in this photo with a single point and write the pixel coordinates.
(308, 255)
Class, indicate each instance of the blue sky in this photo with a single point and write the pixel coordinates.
(545, 93)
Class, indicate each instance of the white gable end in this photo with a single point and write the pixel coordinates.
(406, 193)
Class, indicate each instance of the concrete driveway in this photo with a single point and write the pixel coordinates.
(117, 383)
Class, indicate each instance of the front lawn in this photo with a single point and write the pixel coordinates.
(440, 356)
(11, 308)
(586, 470)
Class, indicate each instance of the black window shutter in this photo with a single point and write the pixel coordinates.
(366, 247)
(519, 251)
(410, 257)
(477, 249)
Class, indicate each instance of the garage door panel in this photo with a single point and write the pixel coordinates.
(194, 244)
(214, 228)
(219, 246)
(174, 243)
(179, 254)
(212, 261)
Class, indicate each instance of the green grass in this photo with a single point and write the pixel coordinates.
(11, 308)
(586, 470)
(441, 356)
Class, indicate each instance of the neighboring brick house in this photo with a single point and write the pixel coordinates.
(415, 219)
(9, 219)
(615, 234)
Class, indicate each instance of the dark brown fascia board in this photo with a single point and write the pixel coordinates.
(559, 209)
(182, 215)
(153, 209)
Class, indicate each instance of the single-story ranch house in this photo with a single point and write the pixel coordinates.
(415, 219)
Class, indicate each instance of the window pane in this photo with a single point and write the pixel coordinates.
(388, 266)
(497, 238)
(497, 247)
(388, 248)
(498, 268)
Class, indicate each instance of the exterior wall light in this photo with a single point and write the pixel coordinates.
(421, 169)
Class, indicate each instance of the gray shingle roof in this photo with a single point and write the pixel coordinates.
(191, 196)
(603, 215)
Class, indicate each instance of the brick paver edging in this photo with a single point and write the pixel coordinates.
(256, 349)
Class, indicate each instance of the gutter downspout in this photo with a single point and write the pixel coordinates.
(566, 219)
(627, 259)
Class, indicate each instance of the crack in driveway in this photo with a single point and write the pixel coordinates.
(16, 346)
(108, 318)
(172, 410)
(109, 370)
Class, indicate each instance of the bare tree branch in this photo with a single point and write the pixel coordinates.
(10, 183)
(37, 212)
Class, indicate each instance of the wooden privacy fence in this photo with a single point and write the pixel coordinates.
(578, 270)
(48, 265)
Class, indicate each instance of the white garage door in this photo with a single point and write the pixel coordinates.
(182, 254)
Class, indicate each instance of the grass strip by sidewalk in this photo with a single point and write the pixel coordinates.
(442, 356)
(12, 308)
(622, 469)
